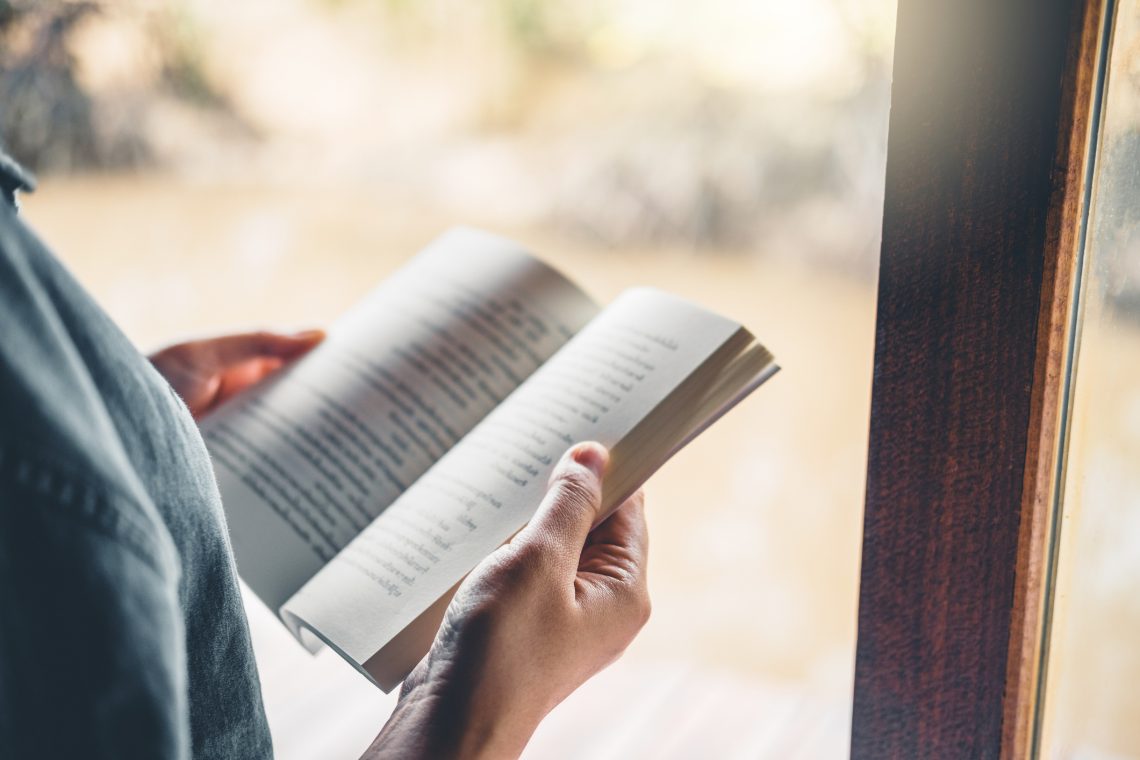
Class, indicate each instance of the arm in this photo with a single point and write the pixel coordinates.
(528, 626)
(91, 658)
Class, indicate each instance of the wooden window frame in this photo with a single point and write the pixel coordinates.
(992, 128)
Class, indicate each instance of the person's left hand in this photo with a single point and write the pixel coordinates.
(207, 372)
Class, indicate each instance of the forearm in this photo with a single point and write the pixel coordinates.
(428, 723)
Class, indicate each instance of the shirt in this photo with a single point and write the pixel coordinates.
(122, 632)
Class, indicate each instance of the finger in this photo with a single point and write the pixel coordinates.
(619, 547)
(611, 581)
(236, 379)
(236, 349)
(572, 503)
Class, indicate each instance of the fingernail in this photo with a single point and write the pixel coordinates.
(309, 335)
(592, 456)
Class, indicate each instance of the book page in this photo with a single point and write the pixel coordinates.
(308, 459)
(605, 381)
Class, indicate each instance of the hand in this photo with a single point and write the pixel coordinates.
(529, 625)
(207, 372)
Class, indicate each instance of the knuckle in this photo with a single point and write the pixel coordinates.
(637, 606)
(576, 488)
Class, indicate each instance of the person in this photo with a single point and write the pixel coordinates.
(122, 632)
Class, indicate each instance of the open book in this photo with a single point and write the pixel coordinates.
(363, 483)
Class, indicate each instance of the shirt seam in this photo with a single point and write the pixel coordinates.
(84, 501)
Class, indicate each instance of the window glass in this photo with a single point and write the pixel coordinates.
(214, 166)
(1093, 665)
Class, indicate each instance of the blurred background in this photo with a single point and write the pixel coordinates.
(1093, 662)
(208, 166)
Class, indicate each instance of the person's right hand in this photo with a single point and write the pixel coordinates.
(529, 625)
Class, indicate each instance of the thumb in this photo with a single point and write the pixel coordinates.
(572, 504)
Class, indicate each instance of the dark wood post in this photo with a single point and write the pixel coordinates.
(987, 166)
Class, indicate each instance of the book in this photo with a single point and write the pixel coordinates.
(362, 483)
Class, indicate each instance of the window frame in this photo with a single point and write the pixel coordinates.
(993, 111)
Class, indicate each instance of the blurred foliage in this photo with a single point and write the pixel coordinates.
(52, 119)
(46, 118)
(544, 28)
(533, 28)
(184, 61)
(623, 122)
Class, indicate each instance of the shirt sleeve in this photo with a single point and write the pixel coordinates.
(91, 654)
(92, 651)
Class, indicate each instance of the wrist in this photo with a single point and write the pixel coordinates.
(433, 720)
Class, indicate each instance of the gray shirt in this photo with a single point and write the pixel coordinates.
(122, 633)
